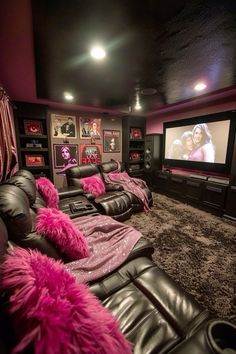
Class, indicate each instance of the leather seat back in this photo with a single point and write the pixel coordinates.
(3, 240)
(15, 210)
(73, 174)
(19, 200)
(110, 166)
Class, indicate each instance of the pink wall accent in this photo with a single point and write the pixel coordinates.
(16, 43)
(223, 100)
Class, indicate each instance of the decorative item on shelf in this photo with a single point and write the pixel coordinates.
(111, 141)
(135, 156)
(136, 133)
(90, 154)
(34, 160)
(33, 144)
(33, 127)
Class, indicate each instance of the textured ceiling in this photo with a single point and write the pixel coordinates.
(163, 45)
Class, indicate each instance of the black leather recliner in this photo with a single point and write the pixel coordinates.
(107, 167)
(154, 312)
(115, 202)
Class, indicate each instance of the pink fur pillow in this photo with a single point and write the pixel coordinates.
(60, 230)
(48, 192)
(93, 185)
(52, 312)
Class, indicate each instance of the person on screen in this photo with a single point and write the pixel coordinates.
(203, 148)
(187, 142)
(176, 150)
(68, 128)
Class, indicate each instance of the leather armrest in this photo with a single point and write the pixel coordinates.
(113, 187)
(89, 196)
(213, 337)
(69, 192)
(143, 248)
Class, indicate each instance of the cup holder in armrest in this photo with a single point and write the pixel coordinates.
(222, 337)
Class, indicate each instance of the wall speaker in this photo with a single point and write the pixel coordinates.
(153, 152)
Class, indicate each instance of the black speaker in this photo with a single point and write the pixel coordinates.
(152, 152)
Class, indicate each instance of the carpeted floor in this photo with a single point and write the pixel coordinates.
(196, 249)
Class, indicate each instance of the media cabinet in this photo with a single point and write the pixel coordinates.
(206, 192)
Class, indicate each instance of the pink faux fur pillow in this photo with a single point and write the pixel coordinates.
(52, 312)
(93, 185)
(60, 230)
(48, 192)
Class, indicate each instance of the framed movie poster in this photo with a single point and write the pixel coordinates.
(65, 155)
(33, 127)
(90, 154)
(34, 160)
(111, 141)
(63, 126)
(90, 128)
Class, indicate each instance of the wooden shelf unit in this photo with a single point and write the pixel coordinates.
(25, 111)
(134, 166)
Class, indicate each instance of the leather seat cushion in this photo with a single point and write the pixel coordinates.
(114, 203)
(153, 311)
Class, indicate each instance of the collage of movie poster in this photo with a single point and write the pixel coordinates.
(91, 139)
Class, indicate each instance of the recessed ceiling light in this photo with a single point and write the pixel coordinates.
(68, 96)
(200, 86)
(98, 53)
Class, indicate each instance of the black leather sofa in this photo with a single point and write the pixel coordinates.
(154, 313)
(115, 202)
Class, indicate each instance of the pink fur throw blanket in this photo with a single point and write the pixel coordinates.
(48, 192)
(110, 243)
(93, 185)
(61, 231)
(52, 312)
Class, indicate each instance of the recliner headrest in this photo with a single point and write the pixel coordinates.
(111, 166)
(15, 210)
(82, 171)
(25, 173)
(24, 184)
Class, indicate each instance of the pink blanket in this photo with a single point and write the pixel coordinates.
(110, 243)
(130, 184)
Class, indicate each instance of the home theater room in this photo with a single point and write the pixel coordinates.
(117, 177)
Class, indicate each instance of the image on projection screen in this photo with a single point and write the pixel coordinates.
(205, 142)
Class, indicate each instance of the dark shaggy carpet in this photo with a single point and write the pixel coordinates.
(196, 249)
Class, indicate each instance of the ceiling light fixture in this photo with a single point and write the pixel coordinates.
(68, 96)
(97, 53)
(200, 86)
(137, 103)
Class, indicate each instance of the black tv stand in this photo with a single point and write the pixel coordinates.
(199, 191)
